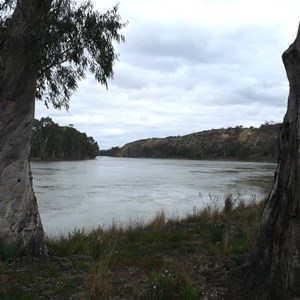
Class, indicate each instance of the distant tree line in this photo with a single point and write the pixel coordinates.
(53, 142)
(110, 152)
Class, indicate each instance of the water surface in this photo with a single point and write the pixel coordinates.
(98, 192)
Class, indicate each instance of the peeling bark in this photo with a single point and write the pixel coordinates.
(273, 270)
(20, 222)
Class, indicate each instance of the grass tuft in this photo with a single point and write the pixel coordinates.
(158, 222)
(104, 257)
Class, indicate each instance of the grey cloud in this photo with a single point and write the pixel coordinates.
(274, 95)
(199, 45)
(129, 80)
(185, 57)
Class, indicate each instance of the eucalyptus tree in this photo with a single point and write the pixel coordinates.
(273, 269)
(46, 47)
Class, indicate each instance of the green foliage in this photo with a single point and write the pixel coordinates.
(171, 285)
(17, 292)
(110, 152)
(161, 285)
(76, 242)
(187, 291)
(9, 251)
(53, 142)
(64, 43)
(78, 40)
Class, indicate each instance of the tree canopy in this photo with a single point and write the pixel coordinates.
(53, 142)
(75, 39)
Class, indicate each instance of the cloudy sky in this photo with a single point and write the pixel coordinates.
(188, 66)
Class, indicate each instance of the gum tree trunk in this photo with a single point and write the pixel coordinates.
(21, 229)
(273, 270)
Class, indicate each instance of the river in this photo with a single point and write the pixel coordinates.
(99, 192)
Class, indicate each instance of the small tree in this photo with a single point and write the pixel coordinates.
(46, 47)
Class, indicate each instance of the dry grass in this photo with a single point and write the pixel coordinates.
(104, 257)
(158, 222)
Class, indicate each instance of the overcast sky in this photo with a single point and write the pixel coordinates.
(188, 66)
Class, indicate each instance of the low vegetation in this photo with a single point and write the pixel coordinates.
(164, 259)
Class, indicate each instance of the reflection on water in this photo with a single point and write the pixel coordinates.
(99, 192)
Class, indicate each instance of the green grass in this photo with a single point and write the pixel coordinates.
(17, 292)
(164, 259)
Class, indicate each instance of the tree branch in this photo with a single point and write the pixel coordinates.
(55, 63)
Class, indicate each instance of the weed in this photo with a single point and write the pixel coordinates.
(161, 285)
(228, 204)
(17, 292)
(8, 251)
(187, 291)
(158, 221)
(103, 259)
(74, 243)
(66, 285)
(53, 271)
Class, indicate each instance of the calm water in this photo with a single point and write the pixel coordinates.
(105, 190)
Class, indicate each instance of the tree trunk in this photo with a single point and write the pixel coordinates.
(273, 270)
(21, 229)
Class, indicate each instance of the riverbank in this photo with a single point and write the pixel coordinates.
(164, 259)
(238, 144)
